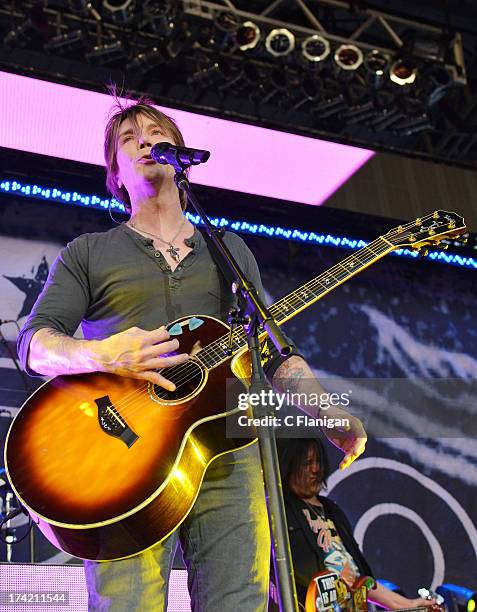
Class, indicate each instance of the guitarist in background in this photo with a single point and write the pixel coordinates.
(321, 537)
(124, 286)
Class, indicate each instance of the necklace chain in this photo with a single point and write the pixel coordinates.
(318, 510)
(172, 250)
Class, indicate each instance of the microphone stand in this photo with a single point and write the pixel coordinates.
(253, 315)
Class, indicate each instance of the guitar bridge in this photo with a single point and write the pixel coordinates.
(112, 423)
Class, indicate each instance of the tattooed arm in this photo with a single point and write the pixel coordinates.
(135, 353)
(295, 376)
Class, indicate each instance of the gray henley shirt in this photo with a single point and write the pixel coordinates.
(114, 280)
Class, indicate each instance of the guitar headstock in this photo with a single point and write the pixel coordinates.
(427, 231)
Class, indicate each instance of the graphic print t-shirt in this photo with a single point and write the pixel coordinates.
(334, 554)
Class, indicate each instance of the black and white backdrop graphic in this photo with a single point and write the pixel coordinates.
(411, 498)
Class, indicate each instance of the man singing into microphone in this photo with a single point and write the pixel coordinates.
(124, 286)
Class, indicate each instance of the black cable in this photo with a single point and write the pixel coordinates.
(21, 373)
(11, 515)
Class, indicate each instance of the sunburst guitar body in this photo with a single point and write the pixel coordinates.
(107, 465)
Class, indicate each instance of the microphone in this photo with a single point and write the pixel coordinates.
(167, 153)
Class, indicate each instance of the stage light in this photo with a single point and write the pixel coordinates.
(35, 28)
(254, 76)
(280, 42)
(232, 73)
(228, 22)
(359, 113)
(248, 36)
(65, 43)
(145, 61)
(311, 89)
(315, 48)
(348, 57)
(440, 81)
(413, 126)
(222, 35)
(105, 54)
(226, 25)
(279, 79)
(330, 106)
(387, 118)
(376, 62)
(403, 72)
(53, 194)
(122, 11)
(158, 14)
(219, 70)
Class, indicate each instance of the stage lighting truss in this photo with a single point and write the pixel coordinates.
(428, 40)
(34, 29)
(145, 61)
(106, 53)
(66, 43)
(231, 53)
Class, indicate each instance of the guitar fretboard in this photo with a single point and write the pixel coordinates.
(287, 307)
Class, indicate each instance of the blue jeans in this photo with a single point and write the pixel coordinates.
(225, 542)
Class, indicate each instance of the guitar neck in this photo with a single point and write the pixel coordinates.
(312, 291)
(287, 307)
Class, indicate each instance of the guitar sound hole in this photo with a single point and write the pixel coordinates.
(187, 377)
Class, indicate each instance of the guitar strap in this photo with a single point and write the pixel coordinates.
(226, 275)
(270, 357)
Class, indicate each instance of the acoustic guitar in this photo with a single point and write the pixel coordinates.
(108, 466)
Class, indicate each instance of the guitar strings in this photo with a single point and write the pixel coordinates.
(312, 284)
(239, 334)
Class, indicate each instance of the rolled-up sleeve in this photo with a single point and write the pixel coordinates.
(64, 299)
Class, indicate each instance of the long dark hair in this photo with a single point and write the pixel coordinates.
(293, 452)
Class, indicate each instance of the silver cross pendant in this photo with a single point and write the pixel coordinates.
(173, 252)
